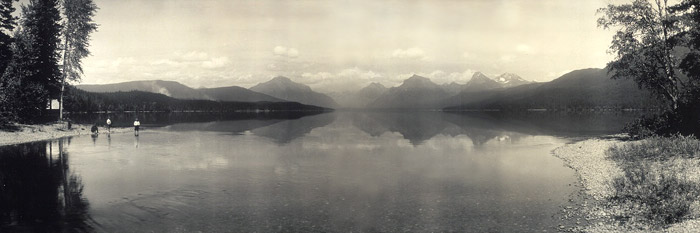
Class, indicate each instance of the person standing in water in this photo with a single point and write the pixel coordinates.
(94, 129)
(109, 125)
(137, 123)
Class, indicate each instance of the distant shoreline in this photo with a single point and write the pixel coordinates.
(42, 132)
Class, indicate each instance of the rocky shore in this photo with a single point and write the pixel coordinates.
(596, 171)
(31, 133)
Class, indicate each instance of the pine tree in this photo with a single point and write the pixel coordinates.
(32, 75)
(25, 97)
(42, 22)
(7, 25)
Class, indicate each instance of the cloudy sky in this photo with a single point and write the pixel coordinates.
(341, 45)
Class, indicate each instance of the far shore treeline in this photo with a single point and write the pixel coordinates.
(138, 101)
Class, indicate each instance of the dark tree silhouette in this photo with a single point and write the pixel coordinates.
(644, 46)
(7, 24)
(32, 75)
(657, 46)
(41, 22)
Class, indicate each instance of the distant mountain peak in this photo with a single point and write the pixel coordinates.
(416, 77)
(376, 85)
(284, 88)
(511, 80)
(416, 92)
(479, 76)
(281, 79)
(416, 81)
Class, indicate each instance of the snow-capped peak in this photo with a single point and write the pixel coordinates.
(510, 80)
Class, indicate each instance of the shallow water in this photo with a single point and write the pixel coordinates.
(331, 172)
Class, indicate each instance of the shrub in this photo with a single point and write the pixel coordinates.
(651, 186)
(658, 148)
(646, 127)
(660, 198)
(685, 120)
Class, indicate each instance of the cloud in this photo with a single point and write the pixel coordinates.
(349, 79)
(216, 62)
(285, 52)
(441, 77)
(467, 55)
(410, 53)
(553, 75)
(192, 56)
(523, 48)
(508, 58)
(314, 78)
(167, 62)
(123, 61)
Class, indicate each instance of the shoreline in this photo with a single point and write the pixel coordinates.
(595, 171)
(34, 133)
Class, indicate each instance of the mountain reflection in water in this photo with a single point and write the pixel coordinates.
(339, 171)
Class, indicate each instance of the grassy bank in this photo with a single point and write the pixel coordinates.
(19, 133)
(638, 186)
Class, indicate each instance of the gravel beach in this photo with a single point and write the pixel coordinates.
(31, 133)
(596, 171)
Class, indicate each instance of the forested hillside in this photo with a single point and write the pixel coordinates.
(580, 89)
(81, 101)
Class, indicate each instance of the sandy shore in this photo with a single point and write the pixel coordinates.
(596, 171)
(31, 133)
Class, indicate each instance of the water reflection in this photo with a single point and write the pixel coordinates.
(333, 172)
(416, 126)
(482, 127)
(280, 130)
(286, 131)
(169, 118)
(39, 192)
(562, 124)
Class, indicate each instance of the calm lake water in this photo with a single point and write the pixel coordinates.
(329, 172)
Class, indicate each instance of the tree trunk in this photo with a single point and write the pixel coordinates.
(60, 100)
(63, 80)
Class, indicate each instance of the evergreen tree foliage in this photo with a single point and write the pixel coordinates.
(42, 23)
(7, 24)
(32, 76)
(26, 97)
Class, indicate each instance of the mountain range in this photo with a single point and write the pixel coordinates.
(285, 88)
(586, 88)
(279, 89)
(360, 98)
(418, 92)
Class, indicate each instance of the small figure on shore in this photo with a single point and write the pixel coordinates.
(137, 123)
(70, 125)
(94, 130)
(109, 125)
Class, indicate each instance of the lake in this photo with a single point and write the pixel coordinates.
(327, 172)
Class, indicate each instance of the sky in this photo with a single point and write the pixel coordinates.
(338, 46)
